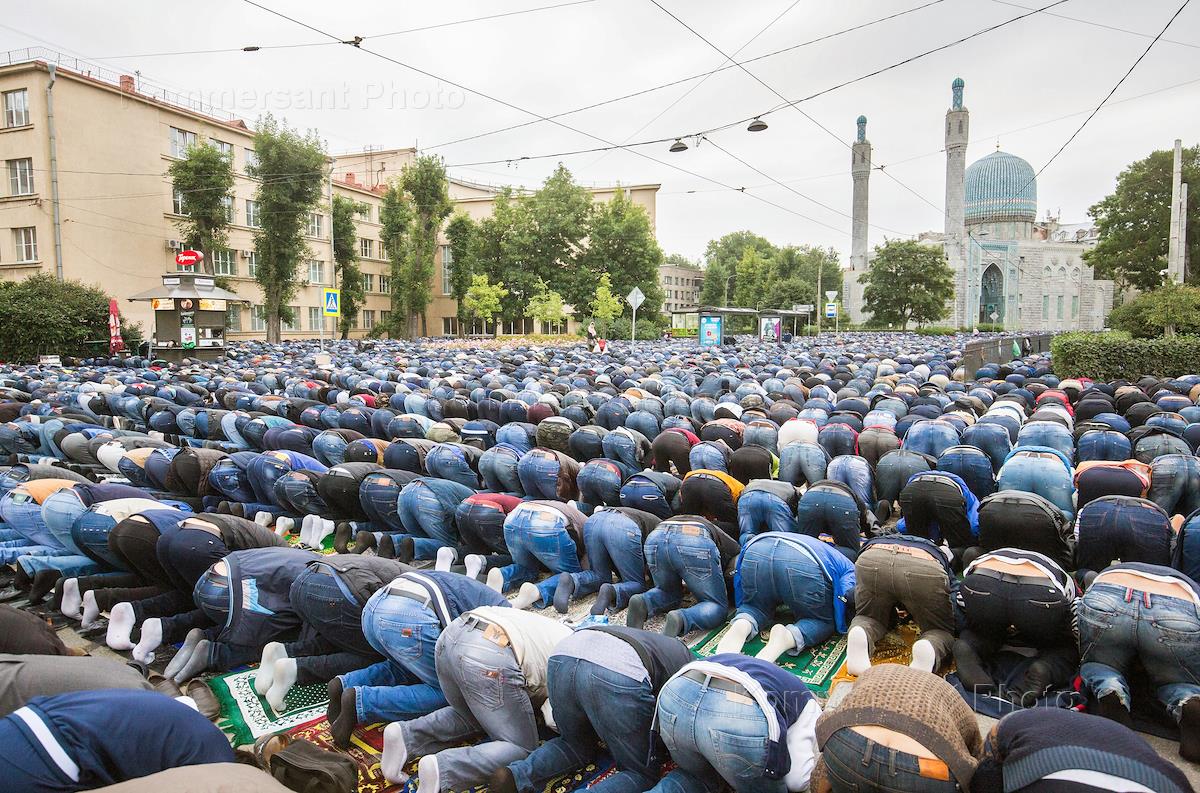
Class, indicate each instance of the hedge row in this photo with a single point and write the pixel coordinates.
(1117, 356)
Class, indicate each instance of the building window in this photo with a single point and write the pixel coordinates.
(177, 202)
(385, 284)
(366, 248)
(368, 283)
(555, 328)
(252, 218)
(368, 318)
(258, 318)
(316, 320)
(252, 264)
(316, 223)
(316, 271)
(16, 108)
(223, 147)
(449, 326)
(1059, 307)
(1046, 307)
(181, 141)
(227, 202)
(223, 262)
(20, 177)
(1074, 306)
(25, 241)
(384, 316)
(294, 324)
(447, 260)
(251, 160)
(233, 317)
(364, 212)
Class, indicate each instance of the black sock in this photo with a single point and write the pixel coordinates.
(1189, 731)
(970, 669)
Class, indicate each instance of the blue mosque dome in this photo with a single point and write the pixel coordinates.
(1000, 187)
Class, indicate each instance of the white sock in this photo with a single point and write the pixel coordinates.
(285, 678)
(322, 528)
(284, 526)
(526, 596)
(924, 656)
(736, 637)
(120, 625)
(474, 563)
(428, 775)
(72, 602)
(181, 659)
(445, 558)
(263, 518)
(264, 678)
(186, 700)
(395, 754)
(779, 642)
(91, 610)
(151, 639)
(306, 529)
(858, 651)
(495, 579)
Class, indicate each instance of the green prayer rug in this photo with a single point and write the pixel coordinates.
(246, 716)
(816, 666)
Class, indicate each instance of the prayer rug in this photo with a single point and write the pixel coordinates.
(245, 715)
(366, 748)
(816, 666)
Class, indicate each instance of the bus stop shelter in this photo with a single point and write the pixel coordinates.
(711, 322)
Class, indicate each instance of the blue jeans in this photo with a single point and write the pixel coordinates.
(498, 468)
(992, 440)
(593, 704)
(450, 462)
(330, 448)
(296, 493)
(24, 514)
(644, 422)
(425, 520)
(1050, 434)
(708, 456)
(760, 511)
(838, 439)
(1117, 624)
(538, 471)
(612, 541)
(972, 466)
(931, 437)
(853, 762)
(680, 554)
(1122, 528)
(405, 685)
(762, 434)
(333, 614)
(1175, 483)
(713, 738)
(1041, 473)
(60, 511)
(833, 513)
(600, 483)
(639, 492)
(533, 543)
(894, 470)
(1103, 445)
(776, 573)
(379, 495)
(855, 473)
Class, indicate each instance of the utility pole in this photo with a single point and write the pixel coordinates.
(819, 305)
(1175, 241)
(332, 261)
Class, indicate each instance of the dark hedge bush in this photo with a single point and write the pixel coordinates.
(1117, 356)
(44, 316)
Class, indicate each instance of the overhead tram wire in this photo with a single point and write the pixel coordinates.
(680, 81)
(297, 45)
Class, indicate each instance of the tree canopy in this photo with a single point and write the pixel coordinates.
(460, 232)
(291, 173)
(203, 180)
(1134, 222)
(1165, 311)
(908, 282)
(721, 258)
(484, 300)
(349, 277)
(424, 180)
(41, 315)
(605, 305)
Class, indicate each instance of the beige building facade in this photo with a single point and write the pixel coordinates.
(680, 285)
(109, 142)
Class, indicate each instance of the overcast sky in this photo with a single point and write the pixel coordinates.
(1028, 86)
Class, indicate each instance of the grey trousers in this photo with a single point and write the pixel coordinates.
(486, 690)
(885, 579)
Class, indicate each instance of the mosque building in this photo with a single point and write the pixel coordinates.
(1010, 268)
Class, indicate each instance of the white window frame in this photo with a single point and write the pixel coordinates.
(223, 147)
(177, 202)
(366, 247)
(316, 224)
(181, 141)
(230, 210)
(251, 161)
(447, 260)
(252, 218)
(252, 264)
(294, 325)
(16, 108)
(224, 262)
(316, 318)
(258, 318)
(384, 316)
(25, 242)
(316, 271)
(368, 318)
(20, 176)
(385, 284)
(368, 282)
(233, 317)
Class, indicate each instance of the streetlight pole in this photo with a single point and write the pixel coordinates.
(727, 280)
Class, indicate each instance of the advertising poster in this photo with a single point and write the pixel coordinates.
(710, 331)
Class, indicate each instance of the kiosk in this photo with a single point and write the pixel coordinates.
(189, 317)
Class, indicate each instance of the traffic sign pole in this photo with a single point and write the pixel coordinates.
(635, 298)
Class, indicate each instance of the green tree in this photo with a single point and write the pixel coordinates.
(484, 299)
(1135, 222)
(395, 216)
(751, 278)
(605, 305)
(908, 282)
(41, 315)
(546, 306)
(460, 231)
(501, 249)
(1165, 311)
(792, 275)
(721, 258)
(550, 239)
(679, 260)
(345, 262)
(424, 180)
(621, 243)
(204, 179)
(291, 172)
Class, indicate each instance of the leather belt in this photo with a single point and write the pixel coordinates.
(904, 549)
(491, 631)
(719, 683)
(424, 600)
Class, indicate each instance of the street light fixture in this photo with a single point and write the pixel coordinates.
(678, 146)
(757, 125)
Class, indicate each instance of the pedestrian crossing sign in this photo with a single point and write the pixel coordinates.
(333, 302)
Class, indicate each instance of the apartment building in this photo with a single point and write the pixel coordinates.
(108, 139)
(680, 285)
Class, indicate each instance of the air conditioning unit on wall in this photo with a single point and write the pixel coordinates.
(174, 245)
(247, 254)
